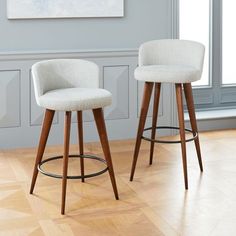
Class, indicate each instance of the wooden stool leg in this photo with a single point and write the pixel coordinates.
(154, 117)
(179, 99)
(143, 115)
(101, 127)
(65, 158)
(192, 116)
(48, 118)
(81, 142)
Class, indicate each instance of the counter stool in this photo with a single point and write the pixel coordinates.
(70, 85)
(174, 61)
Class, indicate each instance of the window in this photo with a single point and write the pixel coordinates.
(196, 28)
(229, 42)
(211, 22)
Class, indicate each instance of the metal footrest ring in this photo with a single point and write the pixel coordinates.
(195, 135)
(76, 176)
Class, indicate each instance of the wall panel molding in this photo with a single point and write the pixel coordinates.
(40, 55)
(10, 105)
(116, 80)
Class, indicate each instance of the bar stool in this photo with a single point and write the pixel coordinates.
(70, 85)
(174, 61)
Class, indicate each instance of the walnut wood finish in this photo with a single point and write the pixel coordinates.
(48, 118)
(154, 117)
(65, 158)
(101, 127)
(148, 87)
(81, 142)
(179, 99)
(190, 104)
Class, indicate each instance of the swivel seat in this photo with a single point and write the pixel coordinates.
(179, 62)
(70, 85)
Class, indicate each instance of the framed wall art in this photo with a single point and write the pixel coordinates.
(30, 9)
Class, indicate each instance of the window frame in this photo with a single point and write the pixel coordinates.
(215, 95)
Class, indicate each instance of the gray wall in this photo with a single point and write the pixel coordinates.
(144, 20)
(110, 42)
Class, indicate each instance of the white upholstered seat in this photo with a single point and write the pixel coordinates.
(75, 99)
(69, 85)
(167, 73)
(173, 61)
(169, 60)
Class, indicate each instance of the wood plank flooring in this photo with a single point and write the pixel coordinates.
(154, 204)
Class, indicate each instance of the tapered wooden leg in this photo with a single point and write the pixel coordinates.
(154, 117)
(101, 127)
(192, 116)
(81, 142)
(142, 120)
(65, 158)
(48, 118)
(179, 99)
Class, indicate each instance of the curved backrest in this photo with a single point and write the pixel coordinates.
(64, 73)
(172, 52)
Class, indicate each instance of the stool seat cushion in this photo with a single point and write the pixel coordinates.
(75, 99)
(167, 73)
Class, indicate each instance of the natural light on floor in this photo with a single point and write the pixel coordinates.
(193, 27)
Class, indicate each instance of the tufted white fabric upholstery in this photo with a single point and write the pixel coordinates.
(68, 85)
(170, 60)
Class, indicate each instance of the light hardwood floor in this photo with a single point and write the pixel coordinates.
(155, 203)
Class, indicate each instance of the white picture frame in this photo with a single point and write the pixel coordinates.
(36, 9)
